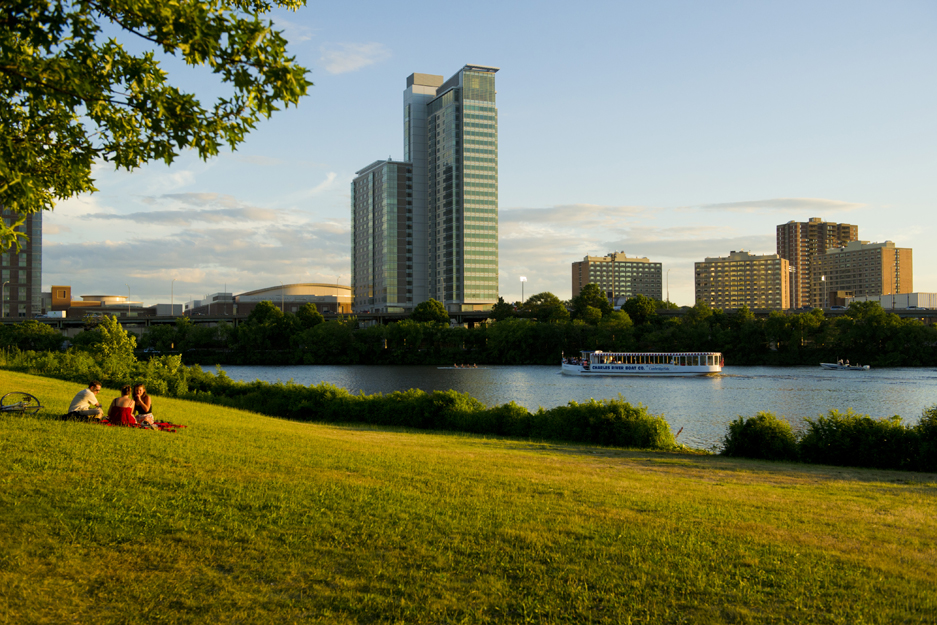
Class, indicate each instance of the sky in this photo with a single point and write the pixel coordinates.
(669, 130)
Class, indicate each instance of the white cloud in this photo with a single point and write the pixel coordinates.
(340, 58)
(293, 31)
(259, 160)
(325, 184)
(205, 241)
(187, 217)
(787, 204)
(542, 243)
(172, 180)
(48, 229)
(319, 189)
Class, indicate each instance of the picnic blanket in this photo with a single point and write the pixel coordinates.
(162, 426)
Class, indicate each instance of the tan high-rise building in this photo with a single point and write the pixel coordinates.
(619, 276)
(744, 279)
(798, 242)
(860, 268)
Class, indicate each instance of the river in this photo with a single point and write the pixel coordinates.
(702, 406)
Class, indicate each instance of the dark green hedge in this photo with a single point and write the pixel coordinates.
(609, 422)
(844, 439)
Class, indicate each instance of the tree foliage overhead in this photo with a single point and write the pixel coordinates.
(72, 92)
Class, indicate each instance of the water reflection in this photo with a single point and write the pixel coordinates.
(702, 406)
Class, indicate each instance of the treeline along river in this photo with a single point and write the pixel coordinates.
(702, 406)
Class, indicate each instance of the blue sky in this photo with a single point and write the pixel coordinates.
(673, 130)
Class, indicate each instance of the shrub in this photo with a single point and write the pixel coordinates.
(856, 440)
(612, 422)
(926, 433)
(763, 436)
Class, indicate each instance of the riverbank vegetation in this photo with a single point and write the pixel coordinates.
(538, 333)
(841, 439)
(844, 439)
(242, 518)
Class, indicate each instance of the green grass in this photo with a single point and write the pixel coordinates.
(241, 518)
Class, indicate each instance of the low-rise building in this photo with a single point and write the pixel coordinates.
(744, 279)
(59, 299)
(900, 301)
(212, 305)
(619, 276)
(328, 298)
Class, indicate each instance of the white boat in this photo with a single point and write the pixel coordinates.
(835, 366)
(644, 363)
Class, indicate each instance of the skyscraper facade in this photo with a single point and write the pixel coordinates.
(382, 237)
(21, 272)
(462, 191)
(421, 90)
(451, 148)
(799, 243)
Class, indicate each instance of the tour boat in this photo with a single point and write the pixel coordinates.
(644, 363)
(835, 366)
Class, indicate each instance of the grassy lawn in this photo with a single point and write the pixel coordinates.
(241, 518)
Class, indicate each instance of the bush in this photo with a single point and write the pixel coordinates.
(926, 433)
(763, 436)
(612, 422)
(850, 439)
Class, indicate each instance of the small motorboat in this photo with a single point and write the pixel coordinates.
(835, 366)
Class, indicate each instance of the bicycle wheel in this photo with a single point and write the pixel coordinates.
(19, 402)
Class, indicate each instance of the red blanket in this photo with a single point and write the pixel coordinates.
(162, 426)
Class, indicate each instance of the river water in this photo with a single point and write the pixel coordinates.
(702, 406)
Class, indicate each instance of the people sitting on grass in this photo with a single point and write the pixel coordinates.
(85, 404)
(142, 404)
(121, 410)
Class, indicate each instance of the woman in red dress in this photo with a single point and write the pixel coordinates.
(121, 410)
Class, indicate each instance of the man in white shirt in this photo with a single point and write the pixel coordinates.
(86, 403)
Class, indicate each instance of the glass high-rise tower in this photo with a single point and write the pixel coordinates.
(382, 238)
(451, 142)
(462, 191)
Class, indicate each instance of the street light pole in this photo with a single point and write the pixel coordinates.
(128, 298)
(172, 298)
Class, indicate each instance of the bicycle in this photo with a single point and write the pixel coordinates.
(20, 402)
